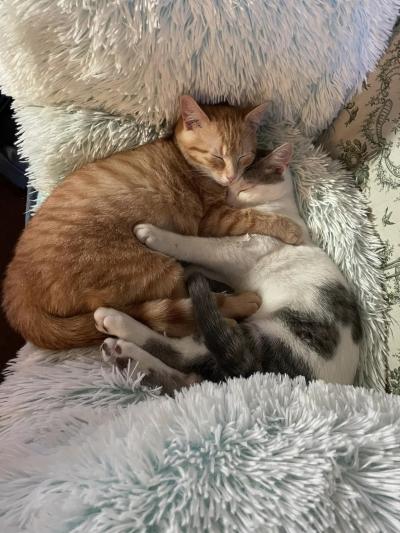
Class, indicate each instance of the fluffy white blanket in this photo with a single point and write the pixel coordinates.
(86, 449)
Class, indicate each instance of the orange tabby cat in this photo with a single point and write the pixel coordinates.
(79, 251)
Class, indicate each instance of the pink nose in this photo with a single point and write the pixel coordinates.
(231, 179)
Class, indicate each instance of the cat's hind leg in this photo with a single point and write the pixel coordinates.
(156, 373)
(182, 354)
(121, 325)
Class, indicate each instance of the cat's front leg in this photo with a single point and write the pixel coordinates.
(211, 253)
(163, 241)
(224, 220)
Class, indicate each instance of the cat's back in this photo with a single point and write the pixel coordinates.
(157, 166)
(305, 262)
(288, 275)
(146, 183)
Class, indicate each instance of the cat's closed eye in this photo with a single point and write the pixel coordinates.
(218, 162)
(246, 159)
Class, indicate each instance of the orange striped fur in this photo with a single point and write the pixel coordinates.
(79, 251)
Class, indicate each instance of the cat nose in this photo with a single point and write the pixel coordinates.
(231, 179)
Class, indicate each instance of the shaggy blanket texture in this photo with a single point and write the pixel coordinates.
(136, 58)
(87, 449)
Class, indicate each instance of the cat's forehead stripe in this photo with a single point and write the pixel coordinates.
(229, 127)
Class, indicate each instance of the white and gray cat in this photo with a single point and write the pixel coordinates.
(308, 323)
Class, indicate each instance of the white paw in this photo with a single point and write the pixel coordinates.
(147, 234)
(100, 316)
(108, 350)
(119, 353)
(112, 322)
(118, 324)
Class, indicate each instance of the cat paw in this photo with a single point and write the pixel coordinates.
(290, 232)
(118, 353)
(114, 350)
(252, 299)
(110, 351)
(112, 322)
(147, 234)
(241, 305)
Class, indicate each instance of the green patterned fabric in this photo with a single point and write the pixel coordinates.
(366, 138)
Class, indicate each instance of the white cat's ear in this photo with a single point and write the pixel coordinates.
(192, 114)
(256, 116)
(279, 159)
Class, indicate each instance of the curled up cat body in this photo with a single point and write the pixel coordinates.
(308, 323)
(79, 251)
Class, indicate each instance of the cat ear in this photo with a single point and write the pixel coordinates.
(192, 114)
(255, 117)
(279, 159)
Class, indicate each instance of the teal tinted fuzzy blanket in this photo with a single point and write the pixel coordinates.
(85, 449)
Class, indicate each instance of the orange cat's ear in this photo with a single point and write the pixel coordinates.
(278, 160)
(256, 115)
(192, 114)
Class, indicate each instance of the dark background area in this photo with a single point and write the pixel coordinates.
(12, 216)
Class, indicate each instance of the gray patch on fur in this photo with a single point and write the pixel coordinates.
(278, 357)
(342, 303)
(321, 333)
(271, 354)
(174, 358)
(163, 351)
(321, 336)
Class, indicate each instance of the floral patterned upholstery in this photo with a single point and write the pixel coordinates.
(366, 138)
